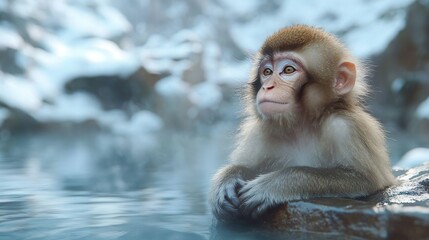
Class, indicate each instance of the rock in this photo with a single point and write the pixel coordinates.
(116, 92)
(401, 71)
(8, 63)
(399, 212)
(413, 158)
(17, 120)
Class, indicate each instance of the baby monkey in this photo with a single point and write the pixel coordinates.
(306, 133)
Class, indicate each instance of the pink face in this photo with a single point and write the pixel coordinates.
(281, 76)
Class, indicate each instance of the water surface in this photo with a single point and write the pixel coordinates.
(87, 185)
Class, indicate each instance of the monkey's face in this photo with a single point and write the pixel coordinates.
(282, 75)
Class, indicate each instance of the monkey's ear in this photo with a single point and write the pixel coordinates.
(345, 78)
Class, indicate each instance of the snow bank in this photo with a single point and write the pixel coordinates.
(80, 107)
(104, 22)
(345, 19)
(206, 95)
(397, 85)
(423, 109)
(142, 122)
(19, 93)
(413, 158)
(77, 107)
(171, 55)
(89, 57)
(9, 37)
(172, 86)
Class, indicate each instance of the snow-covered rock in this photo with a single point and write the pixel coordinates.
(345, 19)
(423, 109)
(142, 122)
(206, 95)
(172, 86)
(10, 38)
(19, 93)
(413, 158)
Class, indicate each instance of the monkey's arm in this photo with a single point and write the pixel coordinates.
(225, 186)
(297, 183)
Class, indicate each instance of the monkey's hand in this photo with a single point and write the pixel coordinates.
(258, 195)
(225, 201)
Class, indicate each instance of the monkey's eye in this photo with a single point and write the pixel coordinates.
(289, 69)
(267, 72)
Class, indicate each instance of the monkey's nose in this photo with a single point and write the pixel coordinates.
(268, 87)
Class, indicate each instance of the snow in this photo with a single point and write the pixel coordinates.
(212, 56)
(169, 55)
(76, 107)
(172, 86)
(24, 8)
(105, 22)
(9, 37)
(206, 95)
(346, 18)
(423, 109)
(413, 158)
(141, 122)
(19, 93)
(74, 41)
(240, 9)
(95, 57)
(377, 32)
(80, 107)
(89, 57)
(398, 84)
(234, 73)
(75, 19)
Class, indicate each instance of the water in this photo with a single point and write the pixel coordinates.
(87, 185)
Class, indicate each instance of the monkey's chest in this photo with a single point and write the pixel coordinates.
(304, 152)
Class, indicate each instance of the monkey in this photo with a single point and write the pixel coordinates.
(306, 132)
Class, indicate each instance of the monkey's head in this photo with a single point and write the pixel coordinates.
(299, 72)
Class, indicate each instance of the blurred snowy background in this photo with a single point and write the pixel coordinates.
(139, 95)
(138, 67)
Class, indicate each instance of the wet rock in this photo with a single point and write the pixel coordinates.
(17, 120)
(8, 63)
(399, 212)
(116, 92)
(401, 71)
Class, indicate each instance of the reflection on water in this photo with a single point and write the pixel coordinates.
(94, 186)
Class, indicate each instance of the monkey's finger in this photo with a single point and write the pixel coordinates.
(239, 185)
(231, 196)
(233, 200)
(227, 211)
(243, 191)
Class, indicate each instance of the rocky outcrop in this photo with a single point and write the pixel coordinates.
(401, 72)
(400, 212)
(117, 92)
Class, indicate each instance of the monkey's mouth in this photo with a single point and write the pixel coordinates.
(271, 101)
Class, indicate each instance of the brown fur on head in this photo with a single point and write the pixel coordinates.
(323, 52)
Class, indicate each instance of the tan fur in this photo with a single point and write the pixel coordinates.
(327, 147)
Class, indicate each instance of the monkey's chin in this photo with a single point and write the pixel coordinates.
(272, 109)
